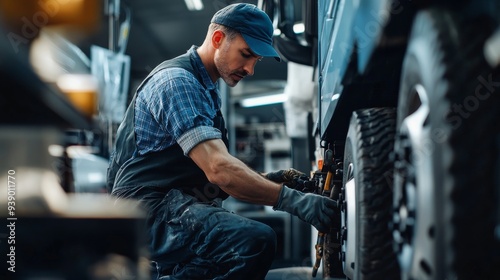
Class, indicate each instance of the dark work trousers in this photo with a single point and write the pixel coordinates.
(201, 240)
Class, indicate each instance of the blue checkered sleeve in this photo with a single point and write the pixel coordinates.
(173, 107)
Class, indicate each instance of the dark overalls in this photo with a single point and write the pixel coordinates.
(191, 235)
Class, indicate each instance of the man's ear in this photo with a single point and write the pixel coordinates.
(217, 38)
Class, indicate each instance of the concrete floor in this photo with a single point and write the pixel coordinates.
(294, 273)
(291, 273)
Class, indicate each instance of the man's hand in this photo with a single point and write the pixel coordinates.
(284, 176)
(314, 209)
(292, 178)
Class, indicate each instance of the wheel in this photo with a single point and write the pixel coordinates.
(367, 189)
(446, 150)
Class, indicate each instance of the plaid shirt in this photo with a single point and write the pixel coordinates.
(174, 107)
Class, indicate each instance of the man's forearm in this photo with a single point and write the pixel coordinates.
(232, 175)
(247, 185)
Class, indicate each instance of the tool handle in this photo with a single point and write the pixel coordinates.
(319, 252)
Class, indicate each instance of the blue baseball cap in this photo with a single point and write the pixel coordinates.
(253, 24)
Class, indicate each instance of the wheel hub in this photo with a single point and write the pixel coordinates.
(348, 222)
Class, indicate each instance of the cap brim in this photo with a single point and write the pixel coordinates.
(261, 48)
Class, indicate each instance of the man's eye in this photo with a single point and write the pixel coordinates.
(246, 55)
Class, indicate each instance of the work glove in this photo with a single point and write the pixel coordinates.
(311, 208)
(293, 179)
(282, 176)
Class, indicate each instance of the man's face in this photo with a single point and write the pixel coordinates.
(235, 60)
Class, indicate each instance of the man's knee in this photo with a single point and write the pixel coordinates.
(260, 238)
(269, 235)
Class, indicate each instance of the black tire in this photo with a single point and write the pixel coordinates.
(447, 149)
(367, 164)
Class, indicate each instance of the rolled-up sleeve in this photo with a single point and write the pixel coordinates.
(193, 137)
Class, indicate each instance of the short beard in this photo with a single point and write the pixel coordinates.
(221, 65)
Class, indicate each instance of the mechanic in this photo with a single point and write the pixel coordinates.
(171, 154)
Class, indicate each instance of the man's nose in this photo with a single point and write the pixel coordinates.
(250, 67)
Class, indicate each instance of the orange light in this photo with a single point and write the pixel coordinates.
(29, 15)
(320, 164)
(82, 91)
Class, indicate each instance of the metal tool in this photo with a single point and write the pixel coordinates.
(327, 164)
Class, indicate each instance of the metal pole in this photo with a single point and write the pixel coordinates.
(112, 10)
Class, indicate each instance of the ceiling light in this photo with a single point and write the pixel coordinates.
(299, 28)
(194, 5)
(263, 100)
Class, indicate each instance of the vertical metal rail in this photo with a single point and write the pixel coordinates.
(112, 10)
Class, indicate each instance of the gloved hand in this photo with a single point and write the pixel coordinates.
(292, 178)
(284, 176)
(311, 208)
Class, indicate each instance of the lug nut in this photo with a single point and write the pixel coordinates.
(343, 233)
